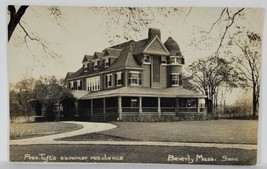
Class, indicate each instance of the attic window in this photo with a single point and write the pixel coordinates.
(95, 65)
(85, 67)
(107, 62)
(146, 59)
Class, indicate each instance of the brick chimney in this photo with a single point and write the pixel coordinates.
(153, 32)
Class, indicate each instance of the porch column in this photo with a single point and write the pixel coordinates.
(119, 108)
(198, 106)
(92, 109)
(140, 106)
(104, 108)
(159, 108)
(176, 105)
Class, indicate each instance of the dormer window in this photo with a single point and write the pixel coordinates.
(95, 65)
(146, 59)
(164, 60)
(85, 67)
(107, 62)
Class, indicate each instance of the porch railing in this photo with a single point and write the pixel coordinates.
(167, 109)
(130, 109)
(187, 109)
(111, 110)
(150, 109)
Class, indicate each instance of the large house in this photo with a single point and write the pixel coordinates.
(135, 79)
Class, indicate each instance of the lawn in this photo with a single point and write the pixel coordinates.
(27, 130)
(213, 131)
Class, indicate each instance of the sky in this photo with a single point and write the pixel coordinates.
(82, 30)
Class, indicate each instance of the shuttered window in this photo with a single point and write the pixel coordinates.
(118, 78)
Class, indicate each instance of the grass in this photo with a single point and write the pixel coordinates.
(212, 131)
(28, 130)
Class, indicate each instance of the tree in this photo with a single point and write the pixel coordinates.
(248, 63)
(15, 17)
(208, 76)
(46, 90)
(49, 91)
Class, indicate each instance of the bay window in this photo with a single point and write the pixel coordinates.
(175, 79)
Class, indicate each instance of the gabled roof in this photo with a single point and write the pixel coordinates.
(112, 52)
(153, 46)
(98, 55)
(126, 54)
(156, 47)
(87, 58)
(77, 73)
(126, 58)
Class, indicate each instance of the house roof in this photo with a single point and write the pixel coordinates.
(98, 55)
(145, 92)
(112, 52)
(126, 52)
(79, 93)
(126, 58)
(87, 58)
(172, 46)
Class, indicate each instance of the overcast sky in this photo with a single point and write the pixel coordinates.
(81, 30)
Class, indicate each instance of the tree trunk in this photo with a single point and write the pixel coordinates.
(254, 102)
(15, 18)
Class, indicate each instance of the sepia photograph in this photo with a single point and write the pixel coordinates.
(168, 85)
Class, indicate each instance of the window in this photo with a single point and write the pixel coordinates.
(107, 62)
(109, 80)
(80, 84)
(95, 65)
(118, 79)
(134, 78)
(93, 83)
(85, 67)
(164, 60)
(146, 59)
(175, 80)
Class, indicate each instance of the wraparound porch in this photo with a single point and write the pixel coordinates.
(123, 107)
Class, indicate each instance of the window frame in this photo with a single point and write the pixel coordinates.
(107, 62)
(109, 80)
(118, 74)
(149, 59)
(138, 78)
(95, 65)
(177, 79)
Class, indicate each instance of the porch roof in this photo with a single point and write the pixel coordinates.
(79, 93)
(145, 92)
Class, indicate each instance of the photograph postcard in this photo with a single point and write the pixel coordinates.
(170, 85)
